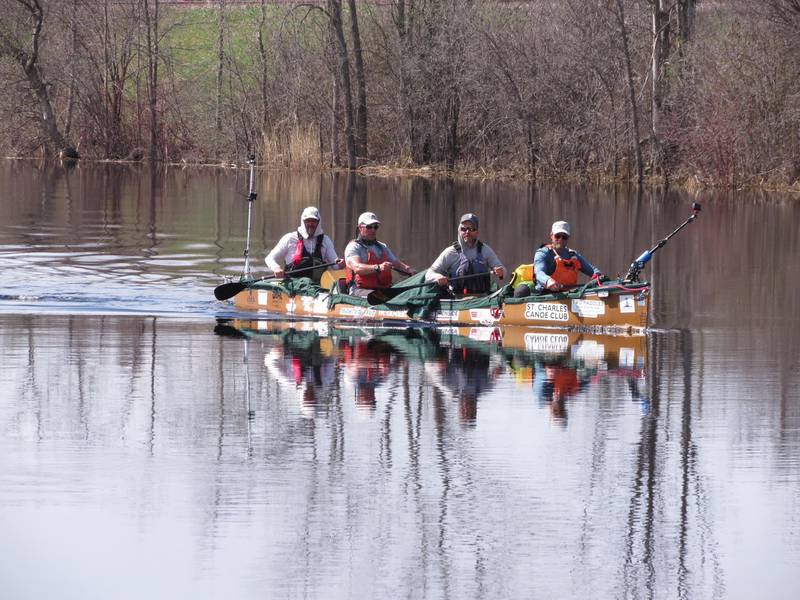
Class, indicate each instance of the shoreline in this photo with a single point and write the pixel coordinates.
(689, 182)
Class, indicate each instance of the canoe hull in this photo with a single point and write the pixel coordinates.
(618, 307)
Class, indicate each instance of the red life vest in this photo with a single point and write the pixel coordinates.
(372, 281)
(566, 272)
(302, 258)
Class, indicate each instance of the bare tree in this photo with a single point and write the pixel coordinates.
(220, 71)
(513, 64)
(152, 41)
(618, 8)
(404, 18)
(26, 55)
(334, 12)
(660, 30)
(72, 68)
(686, 15)
(264, 74)
(361, 85)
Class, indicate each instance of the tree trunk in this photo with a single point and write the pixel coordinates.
(403, 20)
(336, 158)
(335, 15)
(106, 83)
(661, 45)
(220, 71)
(686, 13)
(634, 117)
(29, 61)
(72, 70)
(361, 86)
(262, 52)
(151, 38)
(452, 114)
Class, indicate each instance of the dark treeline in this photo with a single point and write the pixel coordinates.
(688, 90)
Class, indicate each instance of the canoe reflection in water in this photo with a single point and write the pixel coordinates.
(558, 366)
(316, 361)
(306, 362)
(467, 364)
(368, 362)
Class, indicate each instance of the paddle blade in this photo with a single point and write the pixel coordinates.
(228, 331)
(377, 297)
(228, 290)
(383, 295)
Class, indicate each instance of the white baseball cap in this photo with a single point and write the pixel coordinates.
(311, 212)
(368, 218)
(560, 227)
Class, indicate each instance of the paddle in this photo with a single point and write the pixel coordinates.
(637, 265)
(381, 295)
(229, 290)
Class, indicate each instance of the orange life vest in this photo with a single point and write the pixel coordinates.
(565, 381)
(566, 272)
(371, 281)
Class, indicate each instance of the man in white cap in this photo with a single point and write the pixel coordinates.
(369, 262)
(305, 247)
(465, 257)
(555, 266)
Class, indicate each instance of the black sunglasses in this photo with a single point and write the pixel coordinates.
(561, 236)
(462, 228)
(374, 226)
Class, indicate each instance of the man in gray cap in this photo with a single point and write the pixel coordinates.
(556, 266)
(305, 247)
(369, 262)
(466, 256)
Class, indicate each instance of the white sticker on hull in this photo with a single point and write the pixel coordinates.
(320, 304)
(484, 316)
(351, 311)
(626, 304)
(400, 315)
(360, 312)
(317, 305)
(546, 311)
(263, 295)
(589, 308)
(555, 343)
(447, 315)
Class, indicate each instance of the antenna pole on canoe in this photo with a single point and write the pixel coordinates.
(251, 196)
(638, 264)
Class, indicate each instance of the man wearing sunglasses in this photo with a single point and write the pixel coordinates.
(555, 266)
(369, 262)
(467, 258)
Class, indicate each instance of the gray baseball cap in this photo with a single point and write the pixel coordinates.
(470, 217)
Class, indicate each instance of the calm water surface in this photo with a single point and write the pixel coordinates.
(155, 444)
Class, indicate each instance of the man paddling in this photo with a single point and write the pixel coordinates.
(556, 266)
(305, 247)
(369, 262)
(466, 257)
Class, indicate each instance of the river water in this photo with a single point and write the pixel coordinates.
(156, 444)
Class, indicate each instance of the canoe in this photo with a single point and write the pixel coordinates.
(612, 305)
